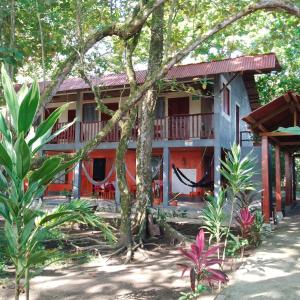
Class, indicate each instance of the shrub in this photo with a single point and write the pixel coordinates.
(200, 268)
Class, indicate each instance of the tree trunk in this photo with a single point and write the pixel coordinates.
(126, 199)
(147, 116)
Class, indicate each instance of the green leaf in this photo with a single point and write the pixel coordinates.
(23, 157)
(4, 129)
(46, 126)
(27, 230)
(5, 158)
(38, 257)
(28, 108)
(11, 236)
(10, 97)
(47, 168)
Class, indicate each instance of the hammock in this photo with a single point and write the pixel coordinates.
(97, 183)
(201, 183)
(100, 183)
(153, 174)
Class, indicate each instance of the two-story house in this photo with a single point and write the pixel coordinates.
(193, 127)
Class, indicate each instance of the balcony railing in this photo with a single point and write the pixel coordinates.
(66, 137)
(178, 127)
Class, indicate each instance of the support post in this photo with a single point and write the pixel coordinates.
(166, 176)
(288, 179)
(294, 178)
(77, 180)
(78, 119)
(277, 180)
(265, 179)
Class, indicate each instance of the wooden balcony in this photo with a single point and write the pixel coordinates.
(180, 127)
(66, 137)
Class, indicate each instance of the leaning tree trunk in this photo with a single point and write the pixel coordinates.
(147, 115)
(143, 163)
(126, 126)
(125, 239)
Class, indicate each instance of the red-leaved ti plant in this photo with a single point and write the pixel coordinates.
(245, 219)
(200, 267)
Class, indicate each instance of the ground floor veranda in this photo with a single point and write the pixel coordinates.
(95, 177)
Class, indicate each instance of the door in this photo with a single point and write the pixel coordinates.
(237, 124)
(178, 116)
(99, 169)
(114, 135)
(71, 115)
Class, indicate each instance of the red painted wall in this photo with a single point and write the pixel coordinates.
(60, 187)
(183, 158)
(188, 159)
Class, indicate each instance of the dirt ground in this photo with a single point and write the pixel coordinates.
(153, 275)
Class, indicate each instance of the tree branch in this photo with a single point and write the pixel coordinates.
(140, 92)
(124, 30)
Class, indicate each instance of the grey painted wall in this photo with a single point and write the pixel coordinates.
(238, 96)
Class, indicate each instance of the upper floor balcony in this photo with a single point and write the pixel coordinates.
(175, 127)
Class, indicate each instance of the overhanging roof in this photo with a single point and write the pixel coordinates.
(247, 66)
(283, 111)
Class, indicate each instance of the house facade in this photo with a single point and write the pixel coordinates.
(198, 117)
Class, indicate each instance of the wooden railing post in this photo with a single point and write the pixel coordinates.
(78, 119)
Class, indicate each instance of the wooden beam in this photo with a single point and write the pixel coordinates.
(265, 179)
(288, 179)
(277, 179)
(295, 118)
(289, 143)
(261, 127)
(274, 134)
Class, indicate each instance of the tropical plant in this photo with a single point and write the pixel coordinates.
(246, 198)
(235, 244)
(257, 230)
(238, 172)
(214, 217)
(200, 269)
(20, 186)
(245, 221)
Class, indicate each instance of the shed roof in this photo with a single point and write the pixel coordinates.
(283, 111)
(246, 65)
(254, 64)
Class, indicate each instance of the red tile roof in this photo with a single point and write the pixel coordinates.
(251, 64)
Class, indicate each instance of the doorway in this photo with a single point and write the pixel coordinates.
(99, 169)
(178, 111)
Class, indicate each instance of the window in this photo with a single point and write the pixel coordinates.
(61, 178)
(90, 113)
(226, 100)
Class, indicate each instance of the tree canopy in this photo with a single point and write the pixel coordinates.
(37, 36)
